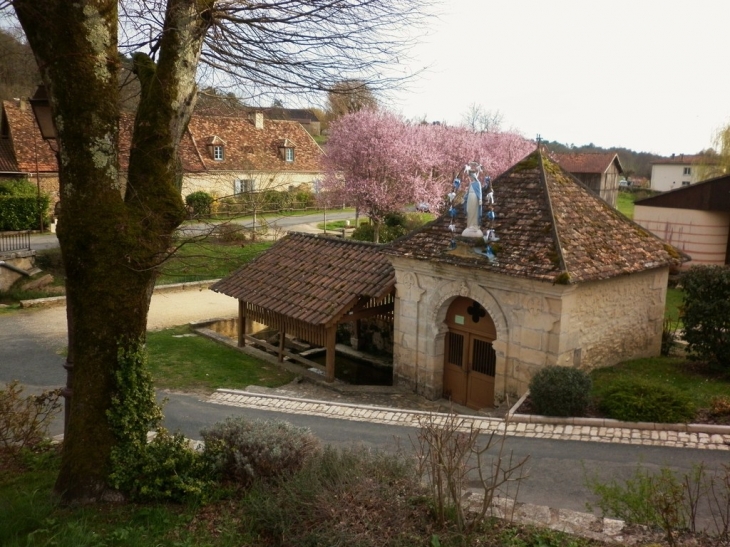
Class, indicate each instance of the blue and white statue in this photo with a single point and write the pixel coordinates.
(473, 202)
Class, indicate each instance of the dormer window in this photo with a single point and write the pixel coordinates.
(216, 148)
(286, 150)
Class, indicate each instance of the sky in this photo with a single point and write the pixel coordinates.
(649, 75)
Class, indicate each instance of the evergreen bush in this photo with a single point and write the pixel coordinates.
(200, 203)
(641, 401)
(21, 207)
(560, 391)
(706, 313)
(245, 450)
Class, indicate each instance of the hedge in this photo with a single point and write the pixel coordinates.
(22, 212)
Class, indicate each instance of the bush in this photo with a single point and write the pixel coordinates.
(21, 206)
(199, 203)
(24, 420)
(394, 225)
(560, 391)
(245, 450)
(640, 401)
(706, 315)
(352, 497)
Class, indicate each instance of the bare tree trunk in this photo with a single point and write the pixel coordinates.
(110, 244)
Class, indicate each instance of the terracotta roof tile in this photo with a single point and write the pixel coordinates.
(307, 277)
(7, 158)
(246, 148)
(551, 228)
(251, 149)
(27, 141)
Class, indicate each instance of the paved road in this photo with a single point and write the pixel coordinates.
(302, 223)
(32, 343)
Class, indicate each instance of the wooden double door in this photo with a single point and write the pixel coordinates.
(469, 358)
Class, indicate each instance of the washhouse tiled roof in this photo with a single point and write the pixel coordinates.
(314, 279)
(550, 228)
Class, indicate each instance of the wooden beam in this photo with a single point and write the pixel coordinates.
(329, 374)
(367, 312)
(282, 339)
(241, 324)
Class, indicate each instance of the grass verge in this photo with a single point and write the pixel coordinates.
(695, 380)
(182, 360)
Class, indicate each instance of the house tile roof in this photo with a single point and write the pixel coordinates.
(25, 137)
(311, 278)
(7, 158)
(551, 228)
(682, 159)
(248, 148)
(587, 162)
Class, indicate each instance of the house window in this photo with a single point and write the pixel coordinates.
(685, 183)
(242, 186)
(288, 154)
(218, 152)
(687, 171)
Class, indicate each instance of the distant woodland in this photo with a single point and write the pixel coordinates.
(634, 163)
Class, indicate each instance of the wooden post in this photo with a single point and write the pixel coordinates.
(329, 374)
(282, 338)
(241, 324)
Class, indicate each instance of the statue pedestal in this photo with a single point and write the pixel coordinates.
(472, 232)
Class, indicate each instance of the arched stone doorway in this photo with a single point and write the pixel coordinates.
(469, 358)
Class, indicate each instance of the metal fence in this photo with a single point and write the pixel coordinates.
(14, 241)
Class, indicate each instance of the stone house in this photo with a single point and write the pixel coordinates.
(694, 218)
(600, 172)
(220, 154)
(571, 282)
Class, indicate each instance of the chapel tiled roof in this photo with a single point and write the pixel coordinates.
(587, 162)
(27, 141)
(312, 278)
(551, 228)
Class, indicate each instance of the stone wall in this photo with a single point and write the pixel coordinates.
(618, 319)
(537, 323)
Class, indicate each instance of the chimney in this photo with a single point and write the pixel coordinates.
(258, 120)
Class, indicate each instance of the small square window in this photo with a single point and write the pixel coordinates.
(685, 183)
(687, 171)
(242, 186)
(218, 152)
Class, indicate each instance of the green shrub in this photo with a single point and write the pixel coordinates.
(23, 212)
(560, 391)
(245, 450)
(166, 469)
(640, 401)
(706, 315)
(394, 225)
(199, 203)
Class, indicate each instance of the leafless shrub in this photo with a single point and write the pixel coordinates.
(450, 451)
(24, 420)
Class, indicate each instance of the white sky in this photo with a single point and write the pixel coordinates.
(650, 75)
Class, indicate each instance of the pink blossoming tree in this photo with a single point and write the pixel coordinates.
(382, 163)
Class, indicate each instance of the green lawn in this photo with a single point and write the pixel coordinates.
(625, 203)
(675, 300)
(182, 360)
(699, 383)
(208, 260)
